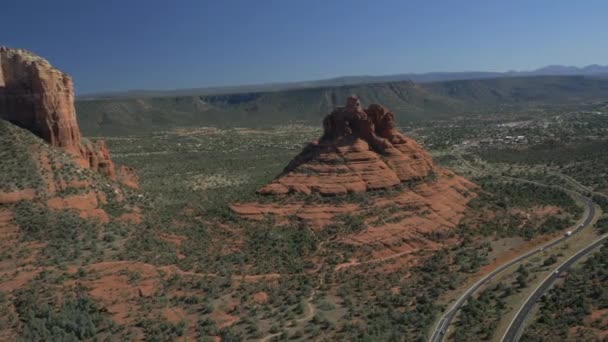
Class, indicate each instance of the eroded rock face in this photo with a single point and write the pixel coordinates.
(97, 157)
(360, 150)
(40, 98)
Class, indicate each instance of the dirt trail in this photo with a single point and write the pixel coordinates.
(350, 264)
(312, 310)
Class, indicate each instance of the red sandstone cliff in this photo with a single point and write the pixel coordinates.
(40, 98)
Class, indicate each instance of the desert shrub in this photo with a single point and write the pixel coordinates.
(77, 319)
(159, 329)
(567, 305)
(281, 249)
(68, 237)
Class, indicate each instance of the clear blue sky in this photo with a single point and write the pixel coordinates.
(129, 44)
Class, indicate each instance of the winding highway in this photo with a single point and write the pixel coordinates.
(515, 327)
(447, 318)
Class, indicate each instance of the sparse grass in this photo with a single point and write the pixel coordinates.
(18, 171)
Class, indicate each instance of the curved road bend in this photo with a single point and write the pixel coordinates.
(448, 316)
(515, 327)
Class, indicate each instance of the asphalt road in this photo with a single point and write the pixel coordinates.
(513, 331)
(448, 316)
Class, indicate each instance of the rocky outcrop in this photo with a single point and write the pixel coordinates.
(96, 156)
(363, 166)
(360, 150)
(40, 98)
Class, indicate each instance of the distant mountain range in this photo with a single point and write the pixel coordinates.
(411, 101)
(551, 70)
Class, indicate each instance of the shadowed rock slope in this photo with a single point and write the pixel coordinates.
(363, 166)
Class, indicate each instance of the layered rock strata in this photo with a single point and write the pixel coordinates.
(363, 166)
(360, 150)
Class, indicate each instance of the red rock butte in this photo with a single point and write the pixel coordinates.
(360, 150)
(40, 98)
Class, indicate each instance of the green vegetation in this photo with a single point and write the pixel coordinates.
(507, 199)
(281, 250)
(569, 305)
(68, 237)
(18, 170)
(480, 316)
(439, 100)
(77, 319)
(585, 161)
(388, 315)
(602, 225)
(602, 201)
(525, 195)
(115, 116)
(159, 329)
(550, 153)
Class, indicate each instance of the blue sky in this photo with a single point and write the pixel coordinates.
(132, 44)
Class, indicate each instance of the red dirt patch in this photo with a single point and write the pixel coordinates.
(19, 280)
(97, 214)
(87, 204)
(597, 314)
(601, 315)
(133, 218)
(86, 201)
(120, 283)
(17, 196)
(223, 319)
(260, 297)
(174, 315)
